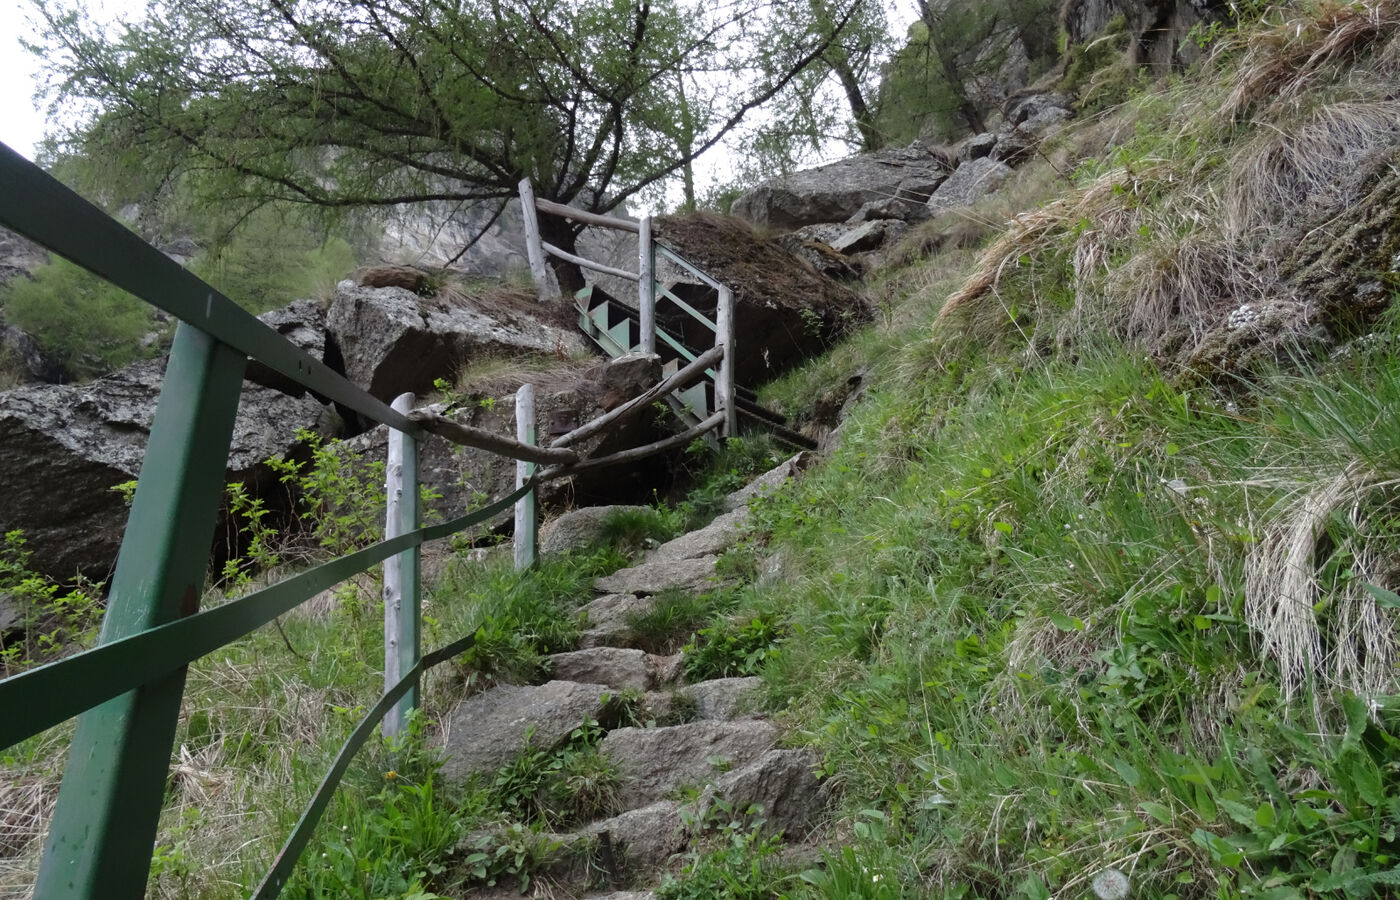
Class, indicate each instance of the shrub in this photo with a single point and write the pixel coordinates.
(87, 325)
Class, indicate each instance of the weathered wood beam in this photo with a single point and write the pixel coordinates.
(587, 218)
(679, 381)
(482, 439)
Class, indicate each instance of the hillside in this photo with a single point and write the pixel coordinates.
(1091, 592)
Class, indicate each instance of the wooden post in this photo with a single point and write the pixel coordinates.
(534, 249)
(401, 597)
(646, 285)
(724, 374)
(525, 519)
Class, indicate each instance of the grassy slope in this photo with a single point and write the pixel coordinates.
(1071, 609)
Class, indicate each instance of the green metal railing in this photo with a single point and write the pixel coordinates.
(127, 690)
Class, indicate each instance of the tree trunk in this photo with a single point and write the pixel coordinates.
(562, 234)
(870, 137)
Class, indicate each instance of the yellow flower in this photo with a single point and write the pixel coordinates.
(391, 774)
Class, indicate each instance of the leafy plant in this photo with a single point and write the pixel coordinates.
(730, 649)
(52, 618)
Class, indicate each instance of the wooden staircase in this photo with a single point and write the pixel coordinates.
(616, 330)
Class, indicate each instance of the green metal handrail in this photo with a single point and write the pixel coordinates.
(127, 690)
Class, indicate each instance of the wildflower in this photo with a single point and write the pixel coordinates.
(391, 774)
(1110, 884)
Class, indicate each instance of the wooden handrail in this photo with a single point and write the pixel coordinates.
(587, 263)
(587, 218)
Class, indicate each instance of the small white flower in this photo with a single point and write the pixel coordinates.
(1110, 884)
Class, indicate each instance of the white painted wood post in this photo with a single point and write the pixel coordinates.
(526, 522)
(724, 373)
(545, 286)
(646, 285)
(401, 597)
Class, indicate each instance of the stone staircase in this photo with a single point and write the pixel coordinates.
(720, 750)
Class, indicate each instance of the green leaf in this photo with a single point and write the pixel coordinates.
(1003, 527)
(1066, 623)
(1172, 449)
(1387, 599)
(1158, 811)
(1265, 816)
(1125, 770)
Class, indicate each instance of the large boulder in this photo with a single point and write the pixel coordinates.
(390, 340)
(303, 323)
(837, 191)
(63, 447)
(972, 181)
(785, 310)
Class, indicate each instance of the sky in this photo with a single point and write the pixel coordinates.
(22, 117)
(21, 121)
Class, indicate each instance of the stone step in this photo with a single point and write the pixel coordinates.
(654, 762)
(616, 667)
(487, 730)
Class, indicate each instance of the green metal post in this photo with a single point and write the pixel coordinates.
(104, 827)
(402, 609)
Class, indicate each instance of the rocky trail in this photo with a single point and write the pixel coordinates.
(679, 749)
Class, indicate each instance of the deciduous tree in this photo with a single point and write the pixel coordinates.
(345, 104)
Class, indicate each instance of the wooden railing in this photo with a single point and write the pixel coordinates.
(126, 691)
(647, 288)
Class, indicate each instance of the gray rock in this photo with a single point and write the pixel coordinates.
(63, 447)
(391, 340)
(487, 730)
(783, 783)
(304, 324)
(19, 256)
(1030, 109)
(820, 256)
(34, 364)
(578, 529)
(870, 236)
(628, 376)
(836, 191)
(713, 539)
(969, 183)
(1014, 147)
(606, 618)
(656, 761)
(769, 481)
(644, 838)
(977, 146)
(13, 613)
(662, 574)
(616, 667)
(724, 699)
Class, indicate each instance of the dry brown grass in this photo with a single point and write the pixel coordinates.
(1355, 643)
(1302, 168)
(1279, 64)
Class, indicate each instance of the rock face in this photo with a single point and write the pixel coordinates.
(63, 447)
(837, 191)
(18, 256)
(1160, 28)
(390, 341)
